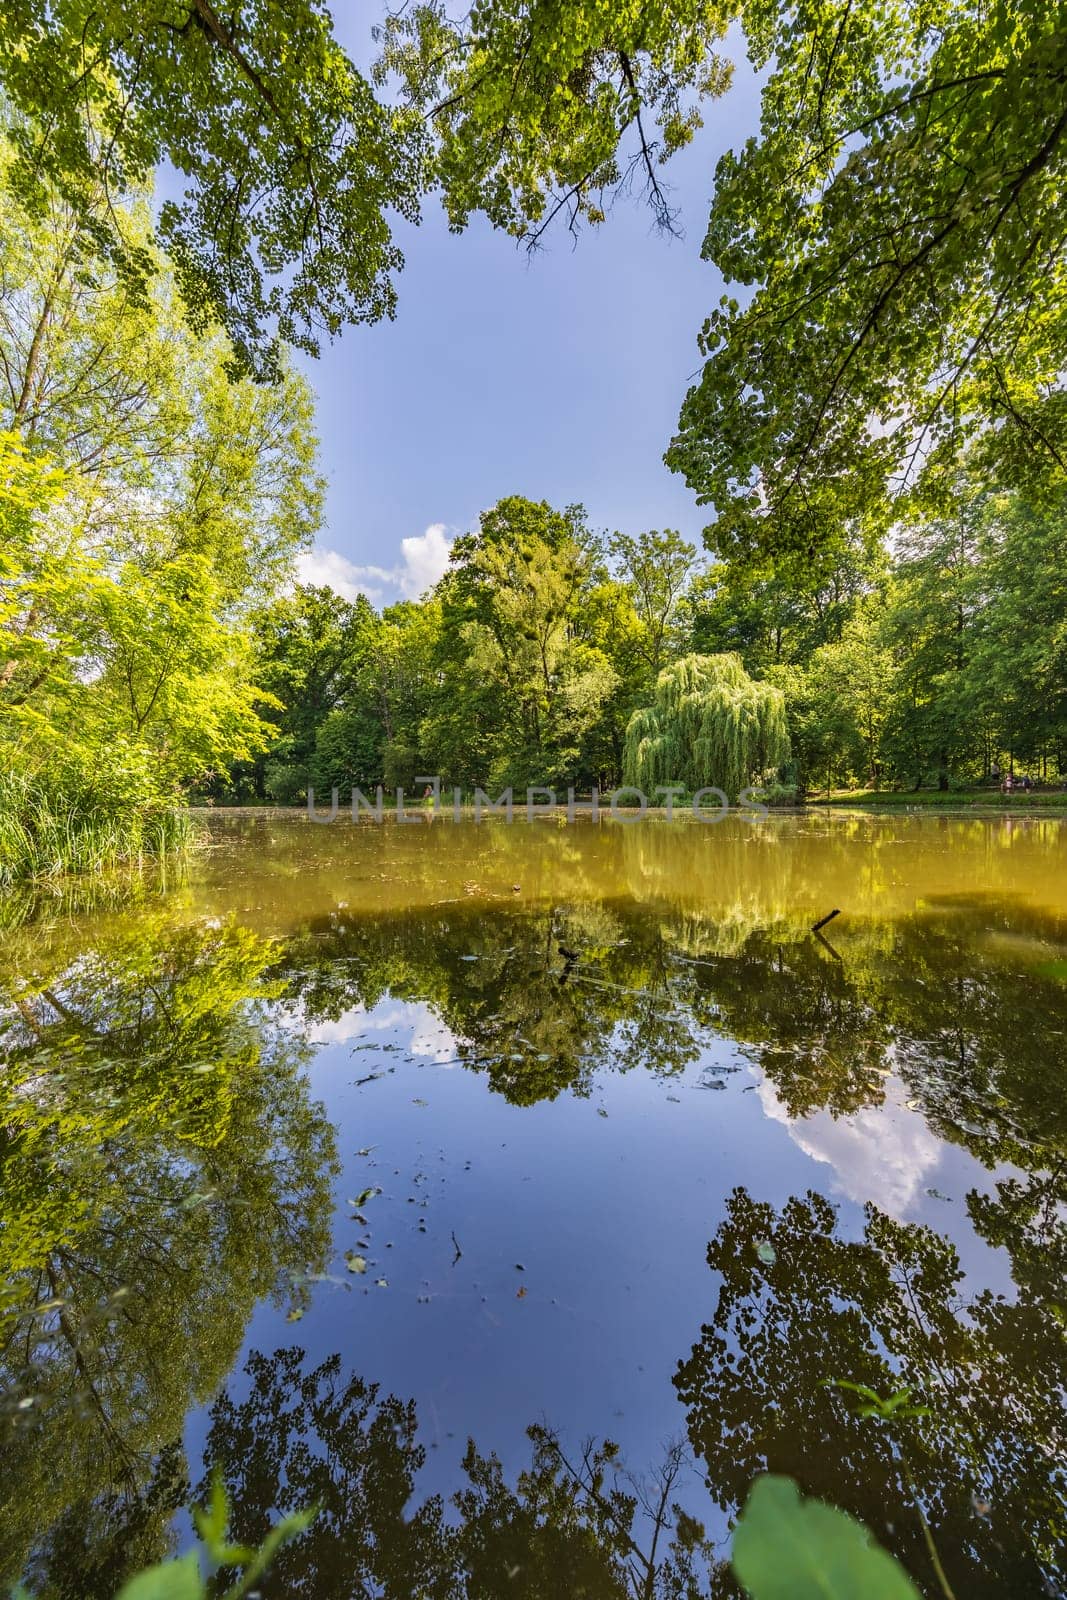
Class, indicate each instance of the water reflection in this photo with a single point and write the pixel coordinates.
(568, 1526)
(165, 1169)
(161, 1170)
(985, 1460)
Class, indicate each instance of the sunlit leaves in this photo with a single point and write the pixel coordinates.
(292, 171)
(900, 219)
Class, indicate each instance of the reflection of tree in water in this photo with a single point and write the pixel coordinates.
(161, 1169)
(566, 1528)
(327, 1439)
(540, 1001)
(973, 1039)
(987, 1461)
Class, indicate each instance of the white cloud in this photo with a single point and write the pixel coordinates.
(423, 559)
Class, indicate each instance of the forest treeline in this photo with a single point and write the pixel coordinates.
(877, 427)
(932, 658)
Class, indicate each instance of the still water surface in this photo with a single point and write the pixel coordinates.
(345, 1161)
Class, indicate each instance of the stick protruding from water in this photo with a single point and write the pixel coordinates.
(828, 918)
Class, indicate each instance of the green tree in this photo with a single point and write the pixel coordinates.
(898, 223)
(778, 614)
(313, 650)
(655, 568)
(837, 705)
(710, 723)
(291, 168)
(176, 500)
(933, 600)
(526, 685)
(1016, 668)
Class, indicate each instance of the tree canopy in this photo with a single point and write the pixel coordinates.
(292, 166)
(898, 237)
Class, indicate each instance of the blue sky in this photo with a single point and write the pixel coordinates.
(558, 377)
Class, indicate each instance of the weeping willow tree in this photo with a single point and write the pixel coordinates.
(709, 724)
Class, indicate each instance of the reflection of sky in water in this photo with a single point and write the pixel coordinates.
(419, 1030)
(607, 1203)
(884, 1154)
(549, 1260)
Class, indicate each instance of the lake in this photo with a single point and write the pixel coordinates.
(340, 1162)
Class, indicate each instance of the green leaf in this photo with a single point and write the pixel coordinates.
(355, 1262)
(172, 1580)
(786, 1548)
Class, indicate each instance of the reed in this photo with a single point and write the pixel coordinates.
(49, 830)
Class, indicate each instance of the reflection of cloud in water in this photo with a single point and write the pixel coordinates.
(428, 1039)
(432, 1039)
(349, 1025)
(885, 1154)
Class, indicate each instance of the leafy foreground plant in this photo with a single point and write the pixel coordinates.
(786, 1548)
(183, 1578)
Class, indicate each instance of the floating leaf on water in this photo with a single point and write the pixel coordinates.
(767, 1253)
(367, 1148)
(935, 1194)
(368, 1194)
(418, 1102)
(295, 1315)
(520, 1294)
(355, 1262)
(381, 1283)
(600, 1111)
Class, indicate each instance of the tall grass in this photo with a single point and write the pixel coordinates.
(48, 830)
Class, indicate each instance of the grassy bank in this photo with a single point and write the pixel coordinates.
(950, 800)
(48, 831)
